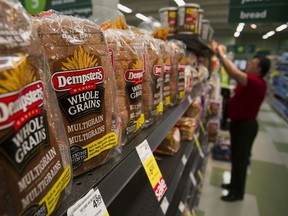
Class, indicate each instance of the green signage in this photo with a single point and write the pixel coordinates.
(258, 11)
(82, 8)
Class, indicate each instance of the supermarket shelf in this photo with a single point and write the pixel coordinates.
(144, 202)
(279, 106)
(194, 43)
(112, 177)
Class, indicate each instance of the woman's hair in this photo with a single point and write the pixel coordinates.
(264, 64)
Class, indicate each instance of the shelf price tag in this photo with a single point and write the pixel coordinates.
(190, 99)
(184, 160)
(181, 207)
(152, 170)
(164, 205)
(200, 175)
(198, 146)
(202, 127)
(193, 179)
(93, 205)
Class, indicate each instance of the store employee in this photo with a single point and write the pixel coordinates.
(242, 108)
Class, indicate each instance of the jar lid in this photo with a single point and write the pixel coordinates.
(168, 9)
(191, 5)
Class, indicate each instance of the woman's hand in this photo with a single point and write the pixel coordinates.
(221, 50)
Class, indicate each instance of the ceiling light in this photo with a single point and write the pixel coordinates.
(240, 27)
(124, 8)
(236, 34)
(270, 33)
(253, 26)
(180, 2)
(142, 17)
(264, 37)
(281, 27)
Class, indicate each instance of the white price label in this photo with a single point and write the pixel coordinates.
(193, 179)
(184, 160)
(144, 151)
(181, 207)
(92, 206)
(190, 99)
(164, 205)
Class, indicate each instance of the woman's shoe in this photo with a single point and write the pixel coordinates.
(226, 186)
(232, 197)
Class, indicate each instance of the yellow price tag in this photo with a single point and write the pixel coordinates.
(200, 175)
(152, 170)
(198, 146)
(202, 127)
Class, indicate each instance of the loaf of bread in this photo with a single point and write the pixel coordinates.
(35, 166)
(166, 51)
(126, 57)
(177, 77)
(83, 79)
(152, 80)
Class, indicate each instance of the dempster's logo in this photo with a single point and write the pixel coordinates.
(66, 80)
(13, 105)
(181, 67)
(157, 70)
(134, 76)
(167, 68)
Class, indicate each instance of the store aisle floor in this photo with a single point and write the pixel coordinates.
(267, 180)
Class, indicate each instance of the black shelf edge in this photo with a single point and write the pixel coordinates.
(111, 177)
(194, 43)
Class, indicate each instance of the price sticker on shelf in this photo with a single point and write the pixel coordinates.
(198, 146)
(184, 160)
(152, 170)
(164, 205)
(92, 206)
(202, 127)
(181, 207)
(193, 179)
(190, 99)
(200, 175)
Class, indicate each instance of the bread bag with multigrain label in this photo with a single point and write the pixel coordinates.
(126, 58)
(83, 79)
(125, 50)
(177, 76)
(35, 168)
(152, 79)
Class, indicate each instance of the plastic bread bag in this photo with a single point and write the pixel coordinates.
(83, 79)
(177, 76)
(108, 18)
(152, 80)
(171, 144)
(128, 66)
(127, 61)
(195, 109)
(187, 127)
(165, 50)
(35, 165)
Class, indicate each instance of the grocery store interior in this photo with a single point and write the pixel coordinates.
(165, 148)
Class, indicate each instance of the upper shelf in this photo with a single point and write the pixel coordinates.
(194, 43)
(113, 176)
